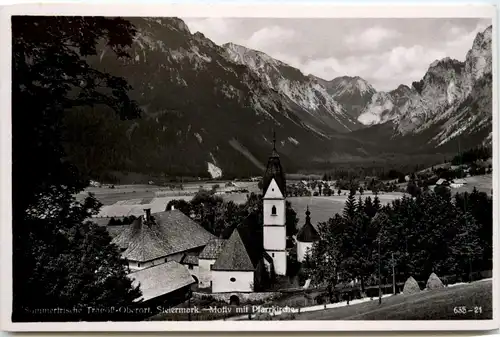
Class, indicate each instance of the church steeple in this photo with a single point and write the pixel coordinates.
(274, 153)
(274, 170)
(308, 233)
(308, 215)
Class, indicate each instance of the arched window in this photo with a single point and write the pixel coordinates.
(273, 210)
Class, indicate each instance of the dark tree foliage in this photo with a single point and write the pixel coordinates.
(480, 206)
(427, 233)
(221, 217)
(52, 246)
(413, 189)
(472, 155)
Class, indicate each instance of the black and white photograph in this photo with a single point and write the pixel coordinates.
(214, 169)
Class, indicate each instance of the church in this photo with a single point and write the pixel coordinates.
(248, 258)
(169, 247)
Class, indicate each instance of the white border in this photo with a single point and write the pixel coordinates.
(275, 10)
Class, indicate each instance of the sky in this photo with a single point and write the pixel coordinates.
(385, 52)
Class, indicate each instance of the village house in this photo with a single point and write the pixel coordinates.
(154, 239)
(456, 183)
(442, 182)
(206, 260)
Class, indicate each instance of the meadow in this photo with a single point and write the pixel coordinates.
(476, 297)
(124, 200)
(323, 207)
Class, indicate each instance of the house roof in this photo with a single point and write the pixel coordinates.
(114, 231)
(190, 259)
(167, 233)
(308, 233)
(441, 181)
(242, 251)
(161, 279)
(212, 249)
(274, 170)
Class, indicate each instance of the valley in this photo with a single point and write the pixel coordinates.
(317, 121)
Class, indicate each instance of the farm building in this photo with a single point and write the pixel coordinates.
(442, 182)
(456, 183)
(306, 237)
(162, 237)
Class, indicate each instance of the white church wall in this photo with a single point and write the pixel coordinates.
(279, 217)
(302, 249)
(274, 237)
(226, 281)
(273, 191)
(205, 273)
(279, 261)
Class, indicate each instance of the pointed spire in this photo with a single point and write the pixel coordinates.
(274, 139)
(274, 153)
(308, 215)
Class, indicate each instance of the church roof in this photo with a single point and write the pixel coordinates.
(234, 256)
(161, 279)
(308, 233)
(242, 251)
(274, 171)
(167, 233)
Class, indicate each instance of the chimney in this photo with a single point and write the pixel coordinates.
(172, 207)
(147, 214)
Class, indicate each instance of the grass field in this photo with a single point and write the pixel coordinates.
(483, 183)
(130, 199)
(124, 200)
(323, 208)
(476, 297)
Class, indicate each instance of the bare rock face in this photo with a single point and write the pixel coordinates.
(434, 282)
(411, 286)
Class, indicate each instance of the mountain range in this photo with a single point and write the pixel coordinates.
(211, 109)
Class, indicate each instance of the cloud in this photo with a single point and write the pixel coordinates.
(370, 38)
(385, 52)
(269, 37)
(459, 43)
(216, 29)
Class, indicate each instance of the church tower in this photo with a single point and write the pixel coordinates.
(274, 192)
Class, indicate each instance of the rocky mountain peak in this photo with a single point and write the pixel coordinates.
(323, 113)
(450, 90)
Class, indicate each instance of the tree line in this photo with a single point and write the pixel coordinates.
(472, 155)
(432, 232)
